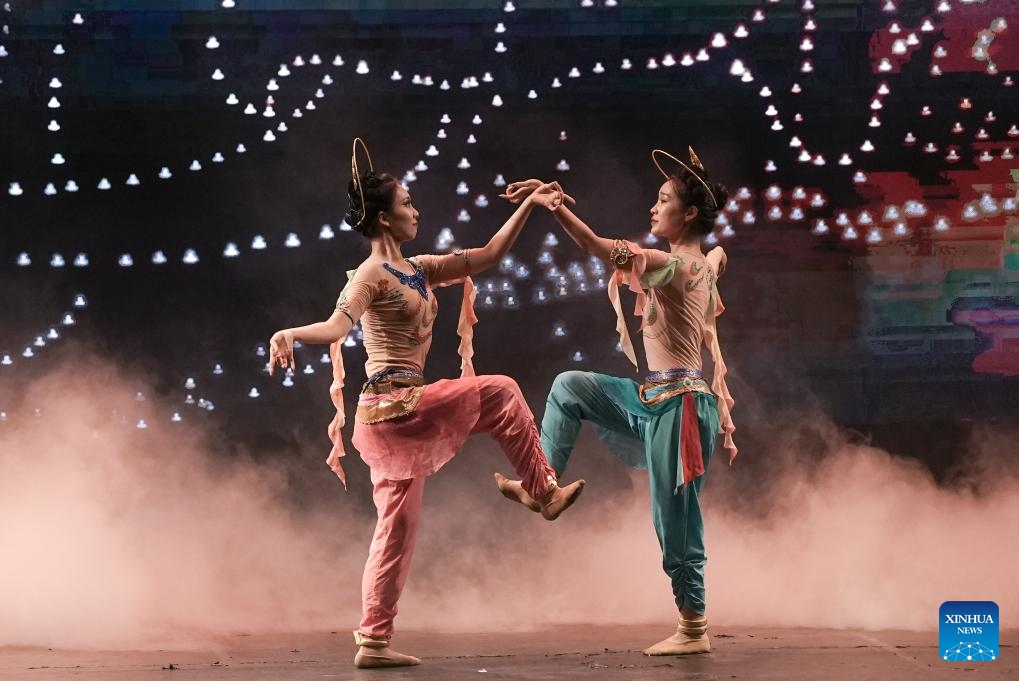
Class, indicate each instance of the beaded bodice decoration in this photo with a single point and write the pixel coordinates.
(416, 281)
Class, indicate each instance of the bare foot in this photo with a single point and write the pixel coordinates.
(560, 499)
(514, 491)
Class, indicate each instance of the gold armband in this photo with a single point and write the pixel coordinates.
(466, 253)
(620, 254)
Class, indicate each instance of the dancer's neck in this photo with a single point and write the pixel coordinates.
(686, 247)
(385, 247)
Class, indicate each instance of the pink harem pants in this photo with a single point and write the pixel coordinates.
(505, 415)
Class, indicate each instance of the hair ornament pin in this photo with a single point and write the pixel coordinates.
(695, 160)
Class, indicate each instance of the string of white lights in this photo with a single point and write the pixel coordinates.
(49, 337)
(792, 204)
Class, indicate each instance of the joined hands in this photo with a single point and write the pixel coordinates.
(548, 194)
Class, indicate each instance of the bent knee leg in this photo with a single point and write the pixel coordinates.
(572, 384)
(501, 388)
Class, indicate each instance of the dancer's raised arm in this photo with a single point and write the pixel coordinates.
(502, 241)
(470, 261)
(551, 196)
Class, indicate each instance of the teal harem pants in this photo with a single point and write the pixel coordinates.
(673, 439)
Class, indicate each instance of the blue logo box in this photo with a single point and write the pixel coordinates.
(968, 631)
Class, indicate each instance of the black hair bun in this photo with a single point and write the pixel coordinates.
(366, 200)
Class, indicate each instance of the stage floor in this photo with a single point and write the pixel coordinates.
(572, 652)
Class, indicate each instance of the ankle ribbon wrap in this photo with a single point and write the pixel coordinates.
(693, 627)
(370, 641)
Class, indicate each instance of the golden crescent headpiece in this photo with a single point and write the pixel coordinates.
(695, 161)
(356, 172)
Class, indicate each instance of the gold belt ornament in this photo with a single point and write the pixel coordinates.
(669, 389)
(389, 399)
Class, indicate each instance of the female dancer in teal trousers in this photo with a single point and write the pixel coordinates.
(670, 422)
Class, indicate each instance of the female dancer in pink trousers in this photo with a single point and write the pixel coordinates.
(406, 429)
